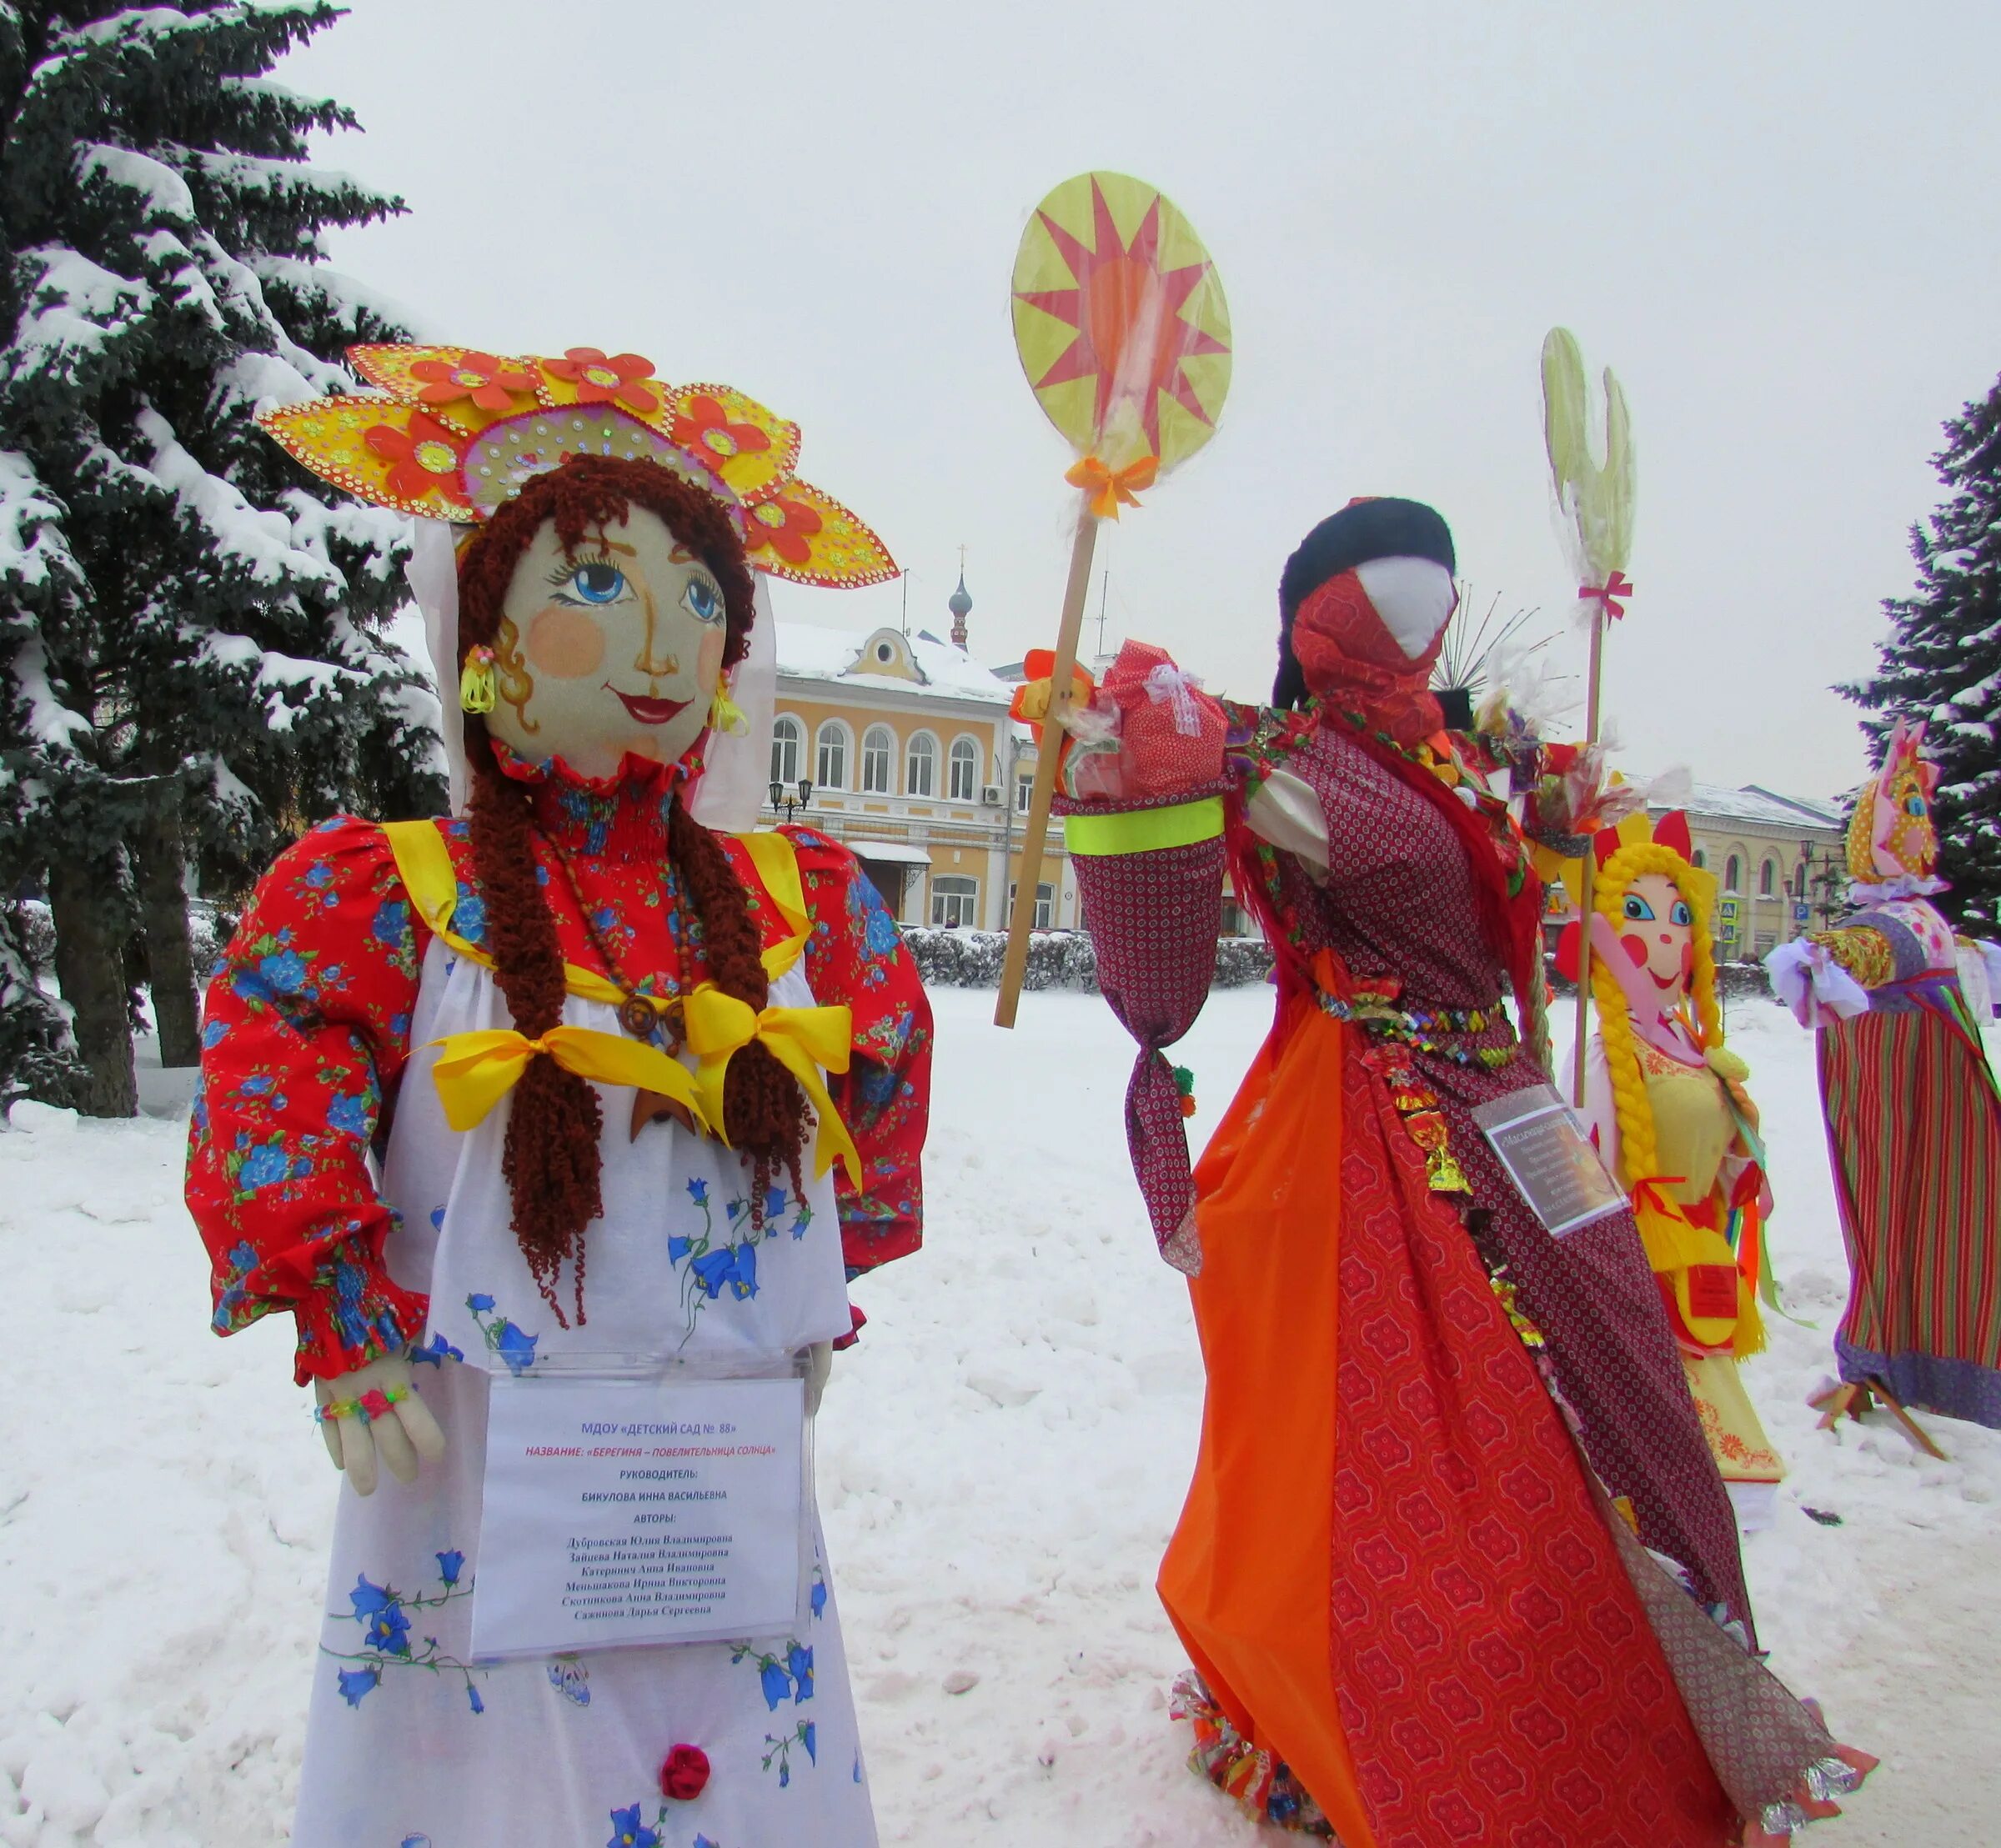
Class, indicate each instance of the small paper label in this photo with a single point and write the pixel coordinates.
(1711, 1292)
(621, 1512)
(1550, 1159)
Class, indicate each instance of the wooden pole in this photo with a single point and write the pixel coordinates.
(1061, 686)
(1587, 878)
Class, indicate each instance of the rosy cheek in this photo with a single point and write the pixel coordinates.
(709, 659)
(1688, 961)
(1636, 951)
(565, 644)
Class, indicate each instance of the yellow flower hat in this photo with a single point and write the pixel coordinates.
(455, 433)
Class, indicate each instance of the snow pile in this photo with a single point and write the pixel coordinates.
(999, 1463)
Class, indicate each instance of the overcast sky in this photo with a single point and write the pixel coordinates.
(1777, 222)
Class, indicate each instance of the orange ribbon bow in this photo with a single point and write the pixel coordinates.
(1110, 488)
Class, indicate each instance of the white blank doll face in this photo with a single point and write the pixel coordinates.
(616, 649)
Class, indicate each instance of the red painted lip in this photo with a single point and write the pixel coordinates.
(651, 711)
(1659, 981)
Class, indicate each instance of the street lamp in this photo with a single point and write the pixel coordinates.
(782, 798)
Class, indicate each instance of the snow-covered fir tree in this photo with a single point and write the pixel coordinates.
(1942, 664)
(193, 666)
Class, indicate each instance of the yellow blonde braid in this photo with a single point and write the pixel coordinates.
(1639, 1154)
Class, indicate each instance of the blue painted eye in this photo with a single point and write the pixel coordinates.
(1681, 913)
(703, 601)
(597, 582)
(1637, 909)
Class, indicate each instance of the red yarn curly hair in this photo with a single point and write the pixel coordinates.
(551, 1158)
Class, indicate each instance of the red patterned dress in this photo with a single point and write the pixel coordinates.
(1418, 1616)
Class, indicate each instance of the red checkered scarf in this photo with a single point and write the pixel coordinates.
(1351, 661)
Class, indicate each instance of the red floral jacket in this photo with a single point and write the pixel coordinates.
(307, 1030)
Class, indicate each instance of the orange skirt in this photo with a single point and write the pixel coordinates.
(1390, 1569)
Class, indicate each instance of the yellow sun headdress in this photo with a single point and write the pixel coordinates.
(455, 433)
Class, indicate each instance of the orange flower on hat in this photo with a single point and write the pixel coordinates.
(479, 376)
(613, 380)
(705, 429)
(422, 457)
(786, 526)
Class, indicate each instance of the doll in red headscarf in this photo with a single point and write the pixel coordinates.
(1450, 1479)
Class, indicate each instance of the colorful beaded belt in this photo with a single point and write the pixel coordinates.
(1376, 1012)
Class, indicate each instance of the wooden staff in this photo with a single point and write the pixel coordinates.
(1061, 687)
(1587, 877)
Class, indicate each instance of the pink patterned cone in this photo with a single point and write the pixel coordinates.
(1154, 919)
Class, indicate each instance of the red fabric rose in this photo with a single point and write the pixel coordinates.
(705, 430)
(786, 526)
(486, 381)
(684, 1774)
(422, 457)
(618, 378)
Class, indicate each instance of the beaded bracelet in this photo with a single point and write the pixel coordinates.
(369, 1407)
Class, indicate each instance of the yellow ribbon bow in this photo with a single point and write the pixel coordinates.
(802, 1039)
(475, 1070)
(1113, 488)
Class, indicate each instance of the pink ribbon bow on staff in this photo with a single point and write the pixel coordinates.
(1618, 585)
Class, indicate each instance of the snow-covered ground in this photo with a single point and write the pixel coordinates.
(999, 1463)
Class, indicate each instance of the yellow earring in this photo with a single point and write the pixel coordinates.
(726, 717)
(479, 685)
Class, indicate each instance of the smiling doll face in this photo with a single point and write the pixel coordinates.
(616, 648)
(1657, 935)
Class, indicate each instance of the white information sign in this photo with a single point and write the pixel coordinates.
(1549, 1158)
(621, 1512)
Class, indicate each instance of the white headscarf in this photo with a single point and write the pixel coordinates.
(731, 792)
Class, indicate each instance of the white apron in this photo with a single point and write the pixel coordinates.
(408, 1745)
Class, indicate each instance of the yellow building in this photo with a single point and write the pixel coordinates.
(907, 755)
(1767, 853)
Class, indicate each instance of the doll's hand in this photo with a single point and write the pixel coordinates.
(375, 1412)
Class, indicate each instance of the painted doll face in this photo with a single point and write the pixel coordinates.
(1657, 935)
(616, 648)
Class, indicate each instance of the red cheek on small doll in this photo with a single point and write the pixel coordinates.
(1636, 951)
(1688, 962)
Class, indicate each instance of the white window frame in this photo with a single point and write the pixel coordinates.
(788, 747)
(964, 755)
(878, 741)
(832, 732)
(1025, 786)
(1045, 904)
(920, 749)
(954, 902)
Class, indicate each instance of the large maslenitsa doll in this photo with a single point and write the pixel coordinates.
(1452, 1497)
(575, 1093)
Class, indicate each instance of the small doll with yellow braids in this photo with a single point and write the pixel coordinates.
(1670, 1113)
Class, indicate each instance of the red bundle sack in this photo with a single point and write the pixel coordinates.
(1170, 733)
